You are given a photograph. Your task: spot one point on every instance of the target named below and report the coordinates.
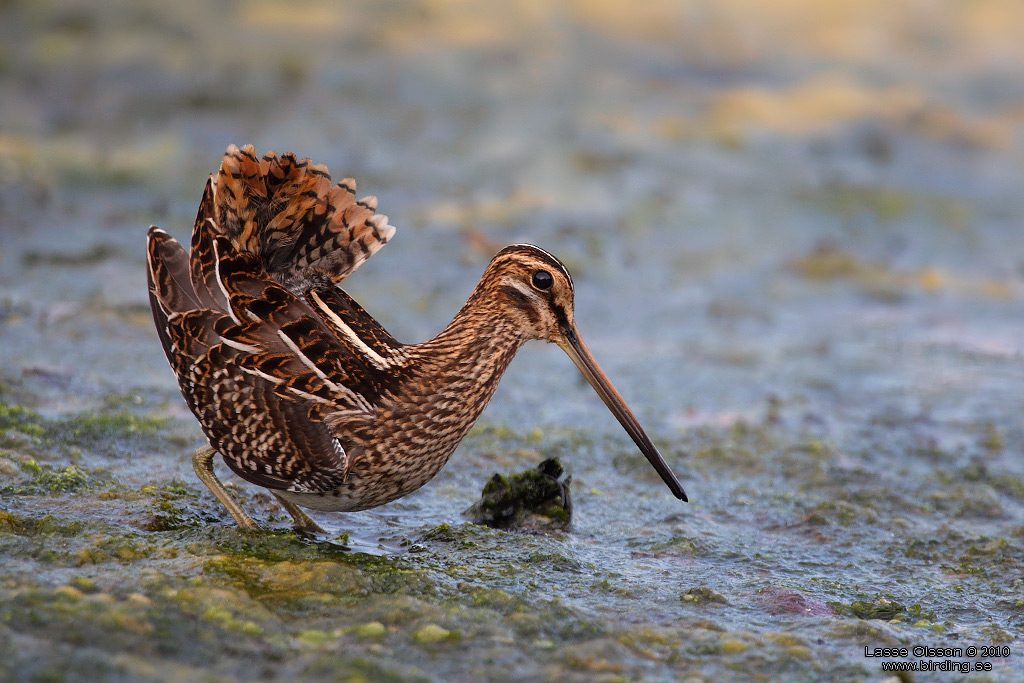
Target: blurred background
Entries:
(799, 215)
(686, 158)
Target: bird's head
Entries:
(534, 290)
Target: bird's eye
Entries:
(542, 279)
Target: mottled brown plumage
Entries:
(294, 384)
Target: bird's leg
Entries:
(303, 522)
(202, 462)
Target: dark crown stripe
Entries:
(543, 255)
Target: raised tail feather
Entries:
(273, 216)
(305, 231)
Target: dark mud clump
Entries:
(536, 499)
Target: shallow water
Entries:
(795, 240)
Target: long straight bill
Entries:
(584, 360)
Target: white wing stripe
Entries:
(223, 289)
(248, 348)
(372, 356)
(337, 388)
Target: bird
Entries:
(295, 385)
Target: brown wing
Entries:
(265, 435)
(349, 322)
(269, 357)
(263, 375)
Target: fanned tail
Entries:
(305, 231)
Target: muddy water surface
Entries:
(795, 236)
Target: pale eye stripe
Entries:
(524, 288)
(375, 358)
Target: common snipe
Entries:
(301, 390)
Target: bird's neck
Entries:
(479, 343)
(449, 380)
(461, 366)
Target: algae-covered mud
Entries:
(535, 500)
(795, 231)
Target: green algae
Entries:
(371, 629)
(702, 595)
(21, 429)
(360, 669)
(125, 549)
(173, 507)
(494, 598)
(43, 479)
(17, 416)
(31, 526)
(281, 567)
(534, 499)
(841, 512)
(880, 609)
(110, 425)
(677, 545)
(887, 610)
(52, 480)
(112, 433)
(432, 633)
